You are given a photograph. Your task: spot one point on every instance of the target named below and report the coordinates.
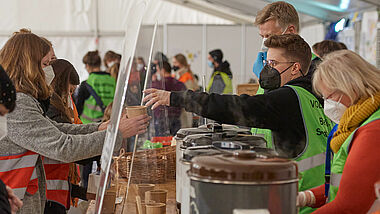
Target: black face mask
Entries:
(270, 78)
(175, 68)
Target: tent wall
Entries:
(240, 45)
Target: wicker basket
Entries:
(150, 166)
(171, 161)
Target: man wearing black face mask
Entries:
(294, 116)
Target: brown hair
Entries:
(284, 13)
(21, 57)
(65, 74)
(111, 56)
(92, 59)
(183, 61)
(114, 70)
(327, 46)
(296, 49)
(107, 113)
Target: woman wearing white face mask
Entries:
(32, 136)
(351, 89)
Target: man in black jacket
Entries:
(278, 109)
(294, 116)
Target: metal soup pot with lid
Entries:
(243, 180)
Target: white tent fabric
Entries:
(71, 26)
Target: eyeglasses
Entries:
(273, 63)
(330, 96)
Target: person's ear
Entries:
(296, 69)
(291, 30)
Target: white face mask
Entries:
(110, 64)
(139, 66)
(70, 102)
(263, 47)
(3, 127)
(334, 110)
(49, 74)
(158, 75)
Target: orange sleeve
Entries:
(356, 191)
(76, 116)
(185, 77)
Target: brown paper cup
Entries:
(156, 208)
(143, 206)
(158, 196)
(134, 111)
(142, 188)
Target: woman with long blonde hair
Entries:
(31, 135)
(350, 87)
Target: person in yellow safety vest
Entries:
(9, 202)
(95, 93)
(289, 109)
(351, 89)
(221, 78)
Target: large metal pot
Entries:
(245, 180)
(212, 128)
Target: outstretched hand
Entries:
(156, 98)
(14, 201)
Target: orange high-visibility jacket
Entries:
(18, 171)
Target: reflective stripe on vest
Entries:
(95, 120)
(57, 184)
(18, 171)
(335, 179)
(311, 162)
(339, 160)
(93, 107)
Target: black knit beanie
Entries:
(7, 91)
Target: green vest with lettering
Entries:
(104, 85)
(265, 133)
(311, 162)
(340, 158)
(226, 79)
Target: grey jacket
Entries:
(28, 129)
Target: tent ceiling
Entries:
(311, 10)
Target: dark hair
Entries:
(284, 13)
(111, 56)
(65, 74)
(327, 46)
(92, 59)
(296, 49)
(160, 57)
(142, 59)
(217, 55)
(7, 91)
(166, 66)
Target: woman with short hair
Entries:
(350, 87)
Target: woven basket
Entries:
(150, 166)
(171, 161)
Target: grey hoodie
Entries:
(28, 129)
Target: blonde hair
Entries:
(21, 58)
(282, 12)
(114, 70)
(349, 73)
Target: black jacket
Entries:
(5, 207)
(277, 110)
(225, 68)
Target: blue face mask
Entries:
(210, 64)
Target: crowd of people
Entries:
(318, 106)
